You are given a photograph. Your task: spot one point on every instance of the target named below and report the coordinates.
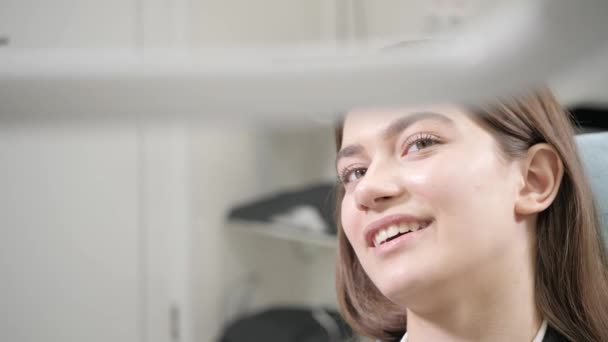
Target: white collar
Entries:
(540, 335)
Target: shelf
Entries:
(283, 232)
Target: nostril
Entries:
(382, 199)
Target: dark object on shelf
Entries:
(309, 208)
(288, 325)
(591, 116)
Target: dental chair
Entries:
(593, 148)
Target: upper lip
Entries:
(371, 229)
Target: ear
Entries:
(542, 175)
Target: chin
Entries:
(398, 288)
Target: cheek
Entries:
(459, 179)
(351, 219)
(472, 200)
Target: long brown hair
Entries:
(571, 284)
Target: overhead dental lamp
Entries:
(521, 44)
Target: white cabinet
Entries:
(93, 224)
(375, 19)
(265, 22)
(70, 248)
(69, 23)
(412, 19)
(162, 23)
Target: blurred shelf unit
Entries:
(282, 232)
(303, 214)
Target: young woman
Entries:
(461, 223)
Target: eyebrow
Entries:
(393, 129)
(402, 123)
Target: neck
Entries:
(494, 303)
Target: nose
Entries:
(378, 188)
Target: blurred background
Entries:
(175, 228)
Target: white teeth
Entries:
(403, 228)
(383, 235)
(393, 230)
(377, 240)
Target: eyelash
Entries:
(413, 140)
(418, 138)
(346, 173)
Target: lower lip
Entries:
(400, 242)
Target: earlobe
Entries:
(542, 175)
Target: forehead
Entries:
(373, 121)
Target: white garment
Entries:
(538, 338)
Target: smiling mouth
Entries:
(397, 230)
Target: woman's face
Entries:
(429, 200)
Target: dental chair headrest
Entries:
(593, 148)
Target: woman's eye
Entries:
(420, 143)
(352, 175)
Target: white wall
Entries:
(69, 23)
(253, 22)
(411, 18)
